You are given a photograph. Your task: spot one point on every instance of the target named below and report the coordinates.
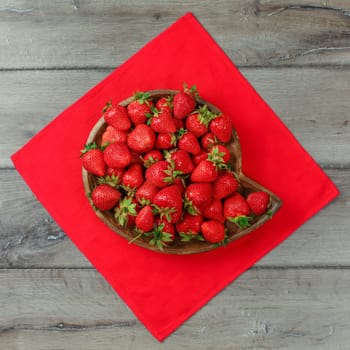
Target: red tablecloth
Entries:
(164, 290)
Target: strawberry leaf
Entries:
(241, 221)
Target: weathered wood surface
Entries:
(29, 237)
(263, 309)
(74, 33)
(314, 103)
(296, 54)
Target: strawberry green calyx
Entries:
(190, 207)
(159, 238)
(163, 212)
(141, 97)
(181, 132)
(125, 209)
(216, 157)
(111, 180)
(187, 237)
(88, 147)
(205, 115)
(169, 101)
(148, 162)
(130, 191)
(191, 91)
(108, 105)
(241, 221)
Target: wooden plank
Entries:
(313, 103)
(29, 237)
(39, 33)
(263, 309)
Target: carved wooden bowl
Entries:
(247, 186)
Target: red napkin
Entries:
(164, 290)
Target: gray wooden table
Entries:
(296, 54)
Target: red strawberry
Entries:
(133, 176)
(145, 219)
(180, 183)
(105, 197)
(126, 211)
(213, 231)
(179, 124)
(164, 104)
(182, 161)
(111, 135)
(208, 141)
(202, 155)
(146, 192)
(205, 171)
(167, 227)
(188, 142)
(224, 185)
(92, 160)
(135, 158)
(159, 174)
(198, 122)
(117, 116)
(117, 155)
(166, 141)
(184, 103)
(162, 121)
(214, 211)
(198, 196)
(139, 108)
(141, 139)
(236, 210)
(168, 202)
(152, 157)
(221, 127)
(258, 202)
(220, 154)
(116, 172)
(190, 224)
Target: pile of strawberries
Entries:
(163, 168)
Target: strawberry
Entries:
(141, 139)
(145, 219)
(220, 153)
(221, 127)
(152, 157)
(111, 135)
(236, 210)
(117, 155)
(166, 227)
(146, 192)
(202, 155)
(92, 159)
(105, 197)
(166, 141)
(188, 142)
(198, 122)
(165, 104)
(213, 231)
(179, 124)
(190, 224)
(168, 203)
(184, 103)
(117, 116)
(198, 196)
(205, 171)
(258, 202)
(160, 174)
(208, 141)
(180, 183)
(139, 108)
(214, 211)
(224, 185)
(125, 212)
(133, 177)
(182, 161)
(161, 121)
(116, 172)
(136, 158)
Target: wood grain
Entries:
(263, 309)
(314, 103)
(56, 34)
(30, 239)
